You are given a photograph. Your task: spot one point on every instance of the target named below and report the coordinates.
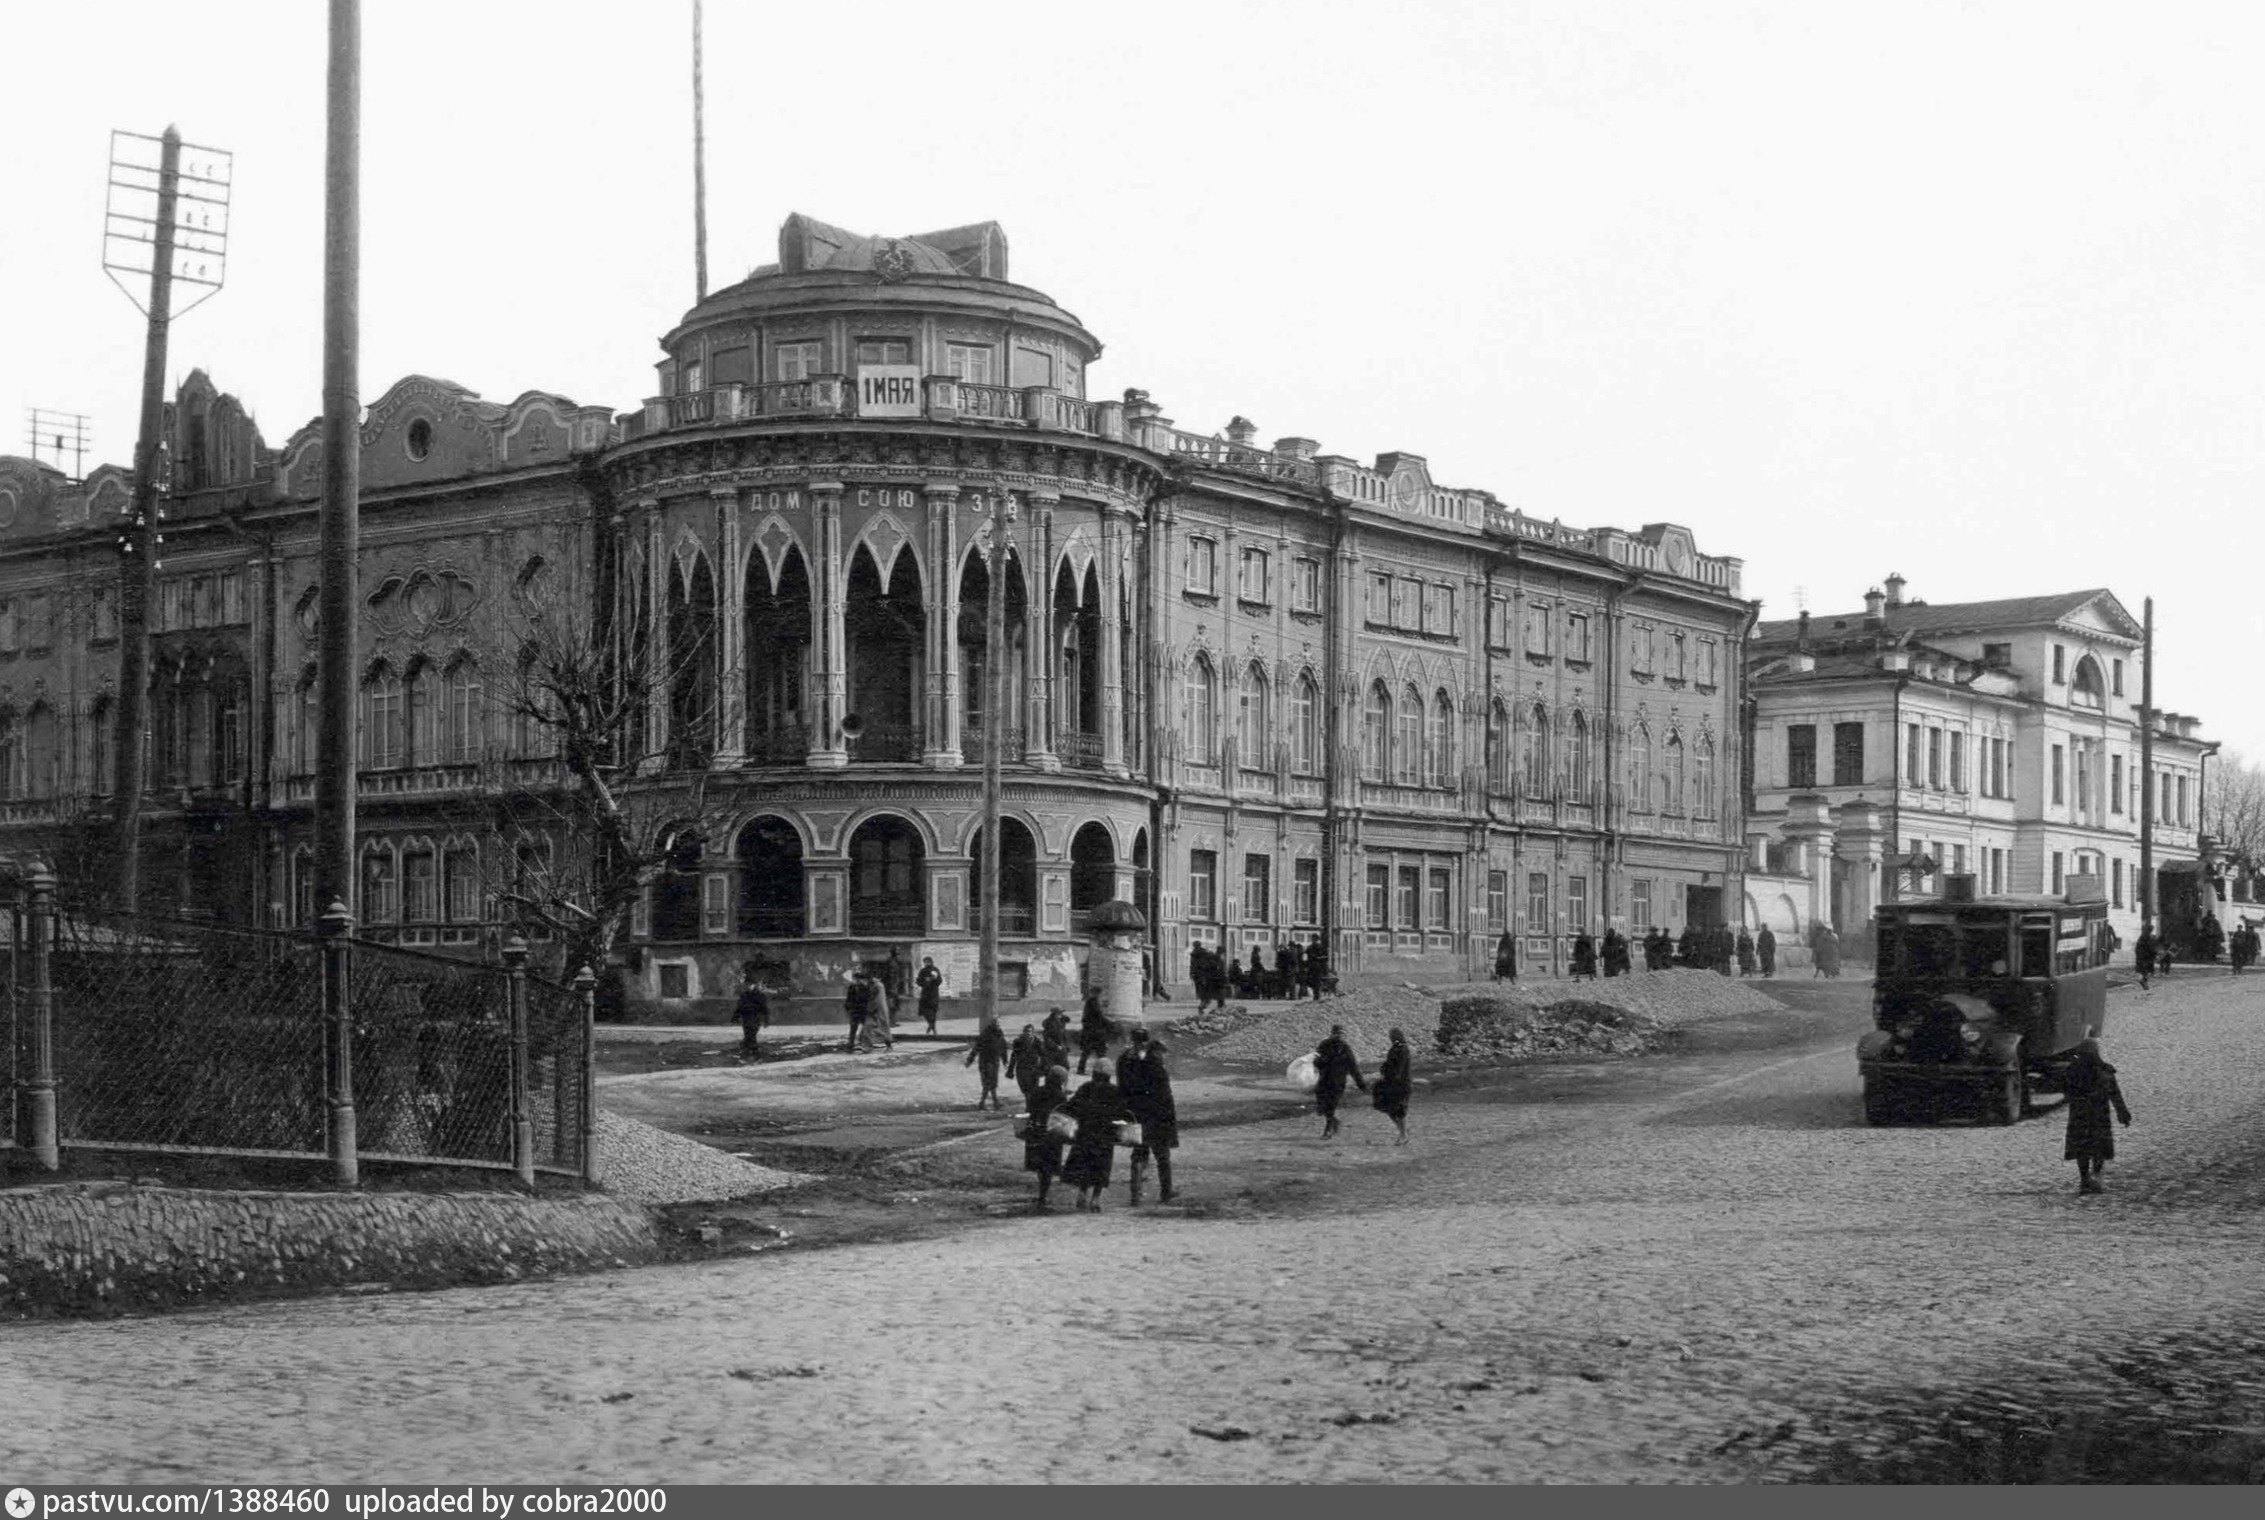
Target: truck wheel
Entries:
(1879, 1102)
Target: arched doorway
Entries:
(884, 628)
(886, 878)
(778, 660)
(1093, 872)
(692, 665)
(770, 880)
(975, 665)
(1018, 878)
(1077, 684)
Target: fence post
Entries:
(522, 1118)
(39, 1004)
(586, 1005)
(338, 1043)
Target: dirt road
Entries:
(1687, 1269)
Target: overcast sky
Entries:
(1974, 292)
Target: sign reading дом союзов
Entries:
(888, 390)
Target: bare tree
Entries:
(2236, 807)
(590, 821)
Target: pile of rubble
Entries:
(1680, 996)
(1489, 1029)
(1283, 1032)
(646, 1165)
(1622, 1015)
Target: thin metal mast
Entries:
(699, 167)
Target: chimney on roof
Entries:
(1241, 431)
(1801, 631)
(1297, 448)
(1873, 600)
(1895, 584)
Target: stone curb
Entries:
(104, 1248)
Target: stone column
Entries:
(943, 696)
(831, 656)
(1112, 645)
(1861, 841)
(1038, 725)
(656, 641)
(731, 617)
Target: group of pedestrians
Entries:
(1335, 1065)
(1137, 1091)
(1298, 971)
(1715, 948)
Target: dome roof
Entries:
(1117, 914)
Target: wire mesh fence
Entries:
(186, 1036)
(432, 1056)
(11, 1031)
(558, 1076)
(189, 1036)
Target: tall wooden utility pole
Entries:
(2147, 766)
(699, 169)
(995, 689)
(341, 462)
(175, 219)
(137, 568)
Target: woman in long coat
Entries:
(1506, 958)
(2092, 1095)
(1334, 1062)
(1395, 1084)
(1092, 1032)
(1150, 1099)
(1097, 1106)
(1042, 1152)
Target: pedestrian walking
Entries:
(1092, 1031)
(931, 984)
(1584, 956)
(1395, 1084)
(1316, 959)
(1026, 1063)
(1827, 952)
(1615, 953)
(2093, 1094)
(753, 1011)
(1149, 1096)
(1745, 952)
(1054, 1038)
(988, 1055)
(1199, 975)
(2143, 954)
(881, 1012)
(1334, 1062)
(1041, 1147)
(1506, 957)
(1136, 1046)
(857, 1003)
(1765, 951)
(1097, 1107)
(1259, 985)
(1286, 970)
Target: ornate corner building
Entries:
(1266, 693)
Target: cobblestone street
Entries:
(1701, 1267)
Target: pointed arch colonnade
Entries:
(826, 625)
